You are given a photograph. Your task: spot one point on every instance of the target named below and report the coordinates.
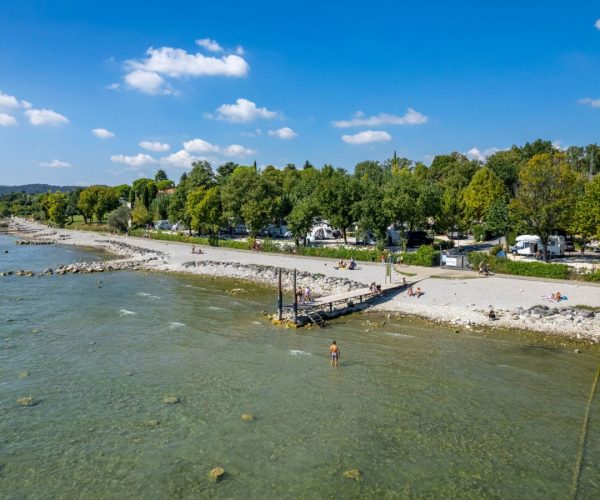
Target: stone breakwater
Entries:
(125, 249)
(34, 242)
(85, 267)
(318, 283)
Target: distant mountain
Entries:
(35, 189)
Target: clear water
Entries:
(421, 411)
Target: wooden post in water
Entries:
(280, 297)
(295, 300)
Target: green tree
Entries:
(546, 196)
(337, 193)
(201, 175)
(498, 218)
(86, 204)
(106, 201)
(140, 216)
(119, 219)
(122, 191)
(301, 219)
(177, 204)
(481, 193)
(586, 216)
(160, 175)
(57, 208)
(205, 209)
(159, 208)
(506, 165)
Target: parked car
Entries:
(164, 225)
(178, 226)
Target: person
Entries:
(403, 281)
(378, 290)
(418, 292)
(491, 314)
(300, 295)
(193, 248)
(334, 353)
(557, 296)
(307, 295)
(410, 292)
(352, 264)
(372, 287)
(482, 269)
(342, 264)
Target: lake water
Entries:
(420, 410)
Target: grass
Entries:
(587, 308)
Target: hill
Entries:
(35, 189)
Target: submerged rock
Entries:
(354, 474)
(26, 401)
(171, 400)
(23, 374)
(217, 474)
(248, 417)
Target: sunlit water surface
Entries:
(421, 411)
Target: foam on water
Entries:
(149, 295)
(174, 324)
(125, 312)
(296, 352)
(403, 335)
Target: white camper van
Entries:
(320, 232)
(528, 245)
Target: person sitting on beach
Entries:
(491, 314)
(372, 287)
(352, 264)
(410, 292)
(483, 269)
(418, 292)
(557, 296)
(378, 290)
(342, 264)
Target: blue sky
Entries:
(106, 91)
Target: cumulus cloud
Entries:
(8, 101)
(148, 74)
(477, 154)
(180, 159)
(597, 24)
(210, 45)
(411, 117)
(242, 111)
(237, 150)
(45, 117)
(7, 120)
(367, 137)
(102, 133)
(588, 101)
(154, 146)
(54, 164)
(137, 161)
(200, 146)
(113, 86)
(283, 133)
(148, 82)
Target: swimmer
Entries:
(334, 352)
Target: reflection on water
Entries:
(421, 411)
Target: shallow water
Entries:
(421, 411)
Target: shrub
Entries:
(481, 233)
(426, 256)
(443, 244)
(119, 219)
(495, 249)
(519, 268)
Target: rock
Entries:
(48, 270)
(577, 351)
(153, 422)
(515, 316)
(216, 475)
(248, 417)
(170, 400)
(23, 374)
(26, 401)
(353, 474)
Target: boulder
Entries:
(354, 474)
(216, 475)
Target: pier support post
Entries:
(295, 300)
(280, 297)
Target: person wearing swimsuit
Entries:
(334, 352)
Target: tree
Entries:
(337, 193)
(204, 207)
(160, 175)
(122, 191)
(225, 170)
(87, 203)
(144, 189)
(586, 217)
(140, 216)
(57, 208)
(177, 204)
(119, 219)
(72, 199)
(498, 219)
(506, 165)
(159, 208)
(301, 219)
(481, 193)
(546, 196)
(201, 175)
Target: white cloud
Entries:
(597, 24)
(45, 117)
(113, 86)
(136, 161)
(237, 150)
(594, 103)
(283, 133)
(242, 111)
(148, 82)
(7, 120)
(55, 164)
(367, 137)
(154, 146)
(209, 44)
(148, 74)
(200, 146)
(411, 117)
(476, 154)
(8, 101)
(558, 144)
(239, 50)
(102, 133)
(180, 159)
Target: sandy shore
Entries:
(454, 297)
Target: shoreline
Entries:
(454, 298)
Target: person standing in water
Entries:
(334, 352)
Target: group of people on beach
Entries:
(349, 265)
(374, 288)
(416, 292)
(483, 269)
(304, 295)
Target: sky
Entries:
(110, 91)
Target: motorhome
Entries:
(320, 232)
(529, 244)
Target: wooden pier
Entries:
(321, 309)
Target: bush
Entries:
(591, 275)
(443, 244)
(119, 219)
(426, 256)
(519, 268)
(495, 249)
(481, 233)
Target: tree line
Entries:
(534, 188)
